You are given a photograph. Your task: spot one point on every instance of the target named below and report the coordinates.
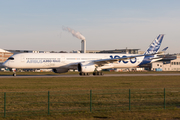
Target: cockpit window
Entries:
(10, 58)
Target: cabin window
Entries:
(10, 58)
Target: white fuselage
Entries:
(57, 60)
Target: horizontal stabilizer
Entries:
(165, 49)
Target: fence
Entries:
(59, 102)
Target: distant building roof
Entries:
(2, 50)
(124, 51)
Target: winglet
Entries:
(155, 45)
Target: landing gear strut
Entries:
(14, 74)
(98, 73)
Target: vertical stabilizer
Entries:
(155, 45)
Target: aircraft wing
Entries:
(102, 62)
(107, 61)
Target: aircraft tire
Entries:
(94, 73)
(98, 73)
(83, 74)
(14, 74)
(101, 73)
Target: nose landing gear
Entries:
(14, 74)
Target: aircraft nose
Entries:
(5, 64)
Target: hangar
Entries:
(4, 55)
(169, 63)
(119, 51)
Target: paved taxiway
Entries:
(106, 75)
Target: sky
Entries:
(106, 24)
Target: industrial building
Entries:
(27, 51)
(4, 55)
(170, 63)
(119, 51)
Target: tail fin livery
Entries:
(155, 45)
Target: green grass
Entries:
(145, 90)
(87, 83)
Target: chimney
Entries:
(83, 46)
(127, 52)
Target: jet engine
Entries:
(86, 67)
(60, 70)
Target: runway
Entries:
(106, 75)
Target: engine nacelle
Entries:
(86, 67)
(60, 70)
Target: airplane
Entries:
(85, 63)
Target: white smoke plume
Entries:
(74, 33)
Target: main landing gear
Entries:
(94, 73)
(83, 74)
(98, 73)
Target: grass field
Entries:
(87, 83)
(94, 83)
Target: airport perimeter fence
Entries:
(60, 102)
